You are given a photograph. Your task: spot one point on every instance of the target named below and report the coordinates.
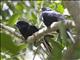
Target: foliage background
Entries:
(29, 11)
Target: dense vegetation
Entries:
(12, 49)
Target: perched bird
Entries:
(26, 29)
(48, 17)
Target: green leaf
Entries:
(63, 34)
(34, 18)
(20, 6)
(12, 20)
(77, 52)
(56, 53)
(60, 8)
(7, 44)
(11, 6)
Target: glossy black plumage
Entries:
(48, 16)
(26, 29)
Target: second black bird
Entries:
(48, 16)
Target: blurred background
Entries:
(13, 11)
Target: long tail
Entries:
(70, 36)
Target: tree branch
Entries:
(37, 35)
(11, 30)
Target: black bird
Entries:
(48, 17)
(26, 29)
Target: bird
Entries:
(49, 16)
(26, 29)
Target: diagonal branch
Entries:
(11, 30)
(37, 35)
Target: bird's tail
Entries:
(70, 36)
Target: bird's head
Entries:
(21, 24)
(46, 9)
